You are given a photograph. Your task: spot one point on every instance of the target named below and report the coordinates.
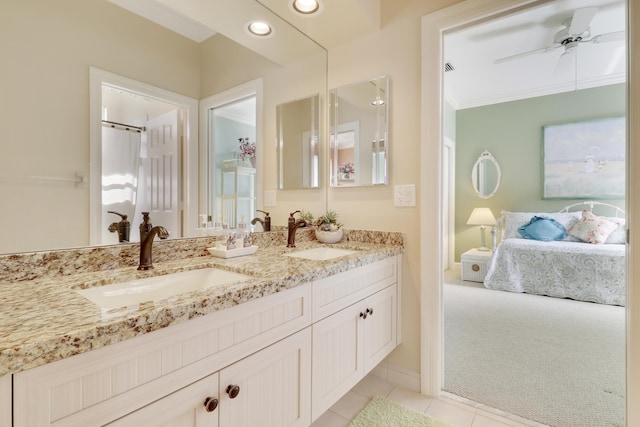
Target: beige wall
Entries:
(394, 51)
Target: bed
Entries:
(565, 268)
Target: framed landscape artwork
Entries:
(585, 160)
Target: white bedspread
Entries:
(575, 270)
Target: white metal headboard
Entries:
(619, 213)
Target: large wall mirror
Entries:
(45, 163)
(358, 143)
(298, 126)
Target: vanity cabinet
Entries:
(349, 344)
(276, 361)
(100, 386)
(271, 388)
(355, 328)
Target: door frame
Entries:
(250, 88)
(189, 152)
(431, 274)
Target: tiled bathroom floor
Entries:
(445, 409)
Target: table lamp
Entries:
(482, 217)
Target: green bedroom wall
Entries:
(512, 132)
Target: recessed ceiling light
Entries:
(259, 29)
(306, 7)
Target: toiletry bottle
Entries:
(246, 239)
(231, 240)
(145, 226)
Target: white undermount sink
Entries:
(321, 254)
(156, 288)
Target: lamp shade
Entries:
(481, 216)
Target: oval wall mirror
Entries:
(486, 175)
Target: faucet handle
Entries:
(266, 214)
(293, 213)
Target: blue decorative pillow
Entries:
(543, 228)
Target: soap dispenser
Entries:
(145, 226)
(123, 227)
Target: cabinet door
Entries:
(337, 360)
(271, 388)
(380, 332)
(184, 408)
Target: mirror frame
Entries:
(381, 133)
(476, 171)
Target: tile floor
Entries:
(447, 409)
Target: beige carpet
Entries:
(381, 412)
(555, 361)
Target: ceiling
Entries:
(476, 80)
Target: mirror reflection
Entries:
(47, 171)
(298, 126)
(232, 164)
(359, 146)
(486, 175)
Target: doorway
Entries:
(231, 155)
(434, 27)
(143, 152)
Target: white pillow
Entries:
(619, 235)
(592, 228)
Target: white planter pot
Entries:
(329, 236)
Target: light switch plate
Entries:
(404, 195)
(270, 198)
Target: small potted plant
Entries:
(328, 230)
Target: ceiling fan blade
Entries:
(581, 20)
(566, 62)
(608, 37)
(528, 53)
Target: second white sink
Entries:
(321, 254)
(156, 288)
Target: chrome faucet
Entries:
(293, 226)
(266, 223)
(147, 244)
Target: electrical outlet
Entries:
(404, 195)
(269, 198)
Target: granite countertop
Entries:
(44, 319)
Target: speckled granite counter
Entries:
(42, 319)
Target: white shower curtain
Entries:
(120, 169)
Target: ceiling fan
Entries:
(576, 31)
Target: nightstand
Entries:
(475, 264)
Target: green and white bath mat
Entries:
(381, 412)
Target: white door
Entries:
(161, 173)
(271, 388)
(448, 202)
(337, 357)
(379, 327)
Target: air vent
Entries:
(448, 66)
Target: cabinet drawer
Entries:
(97, 387)
(334, 293)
